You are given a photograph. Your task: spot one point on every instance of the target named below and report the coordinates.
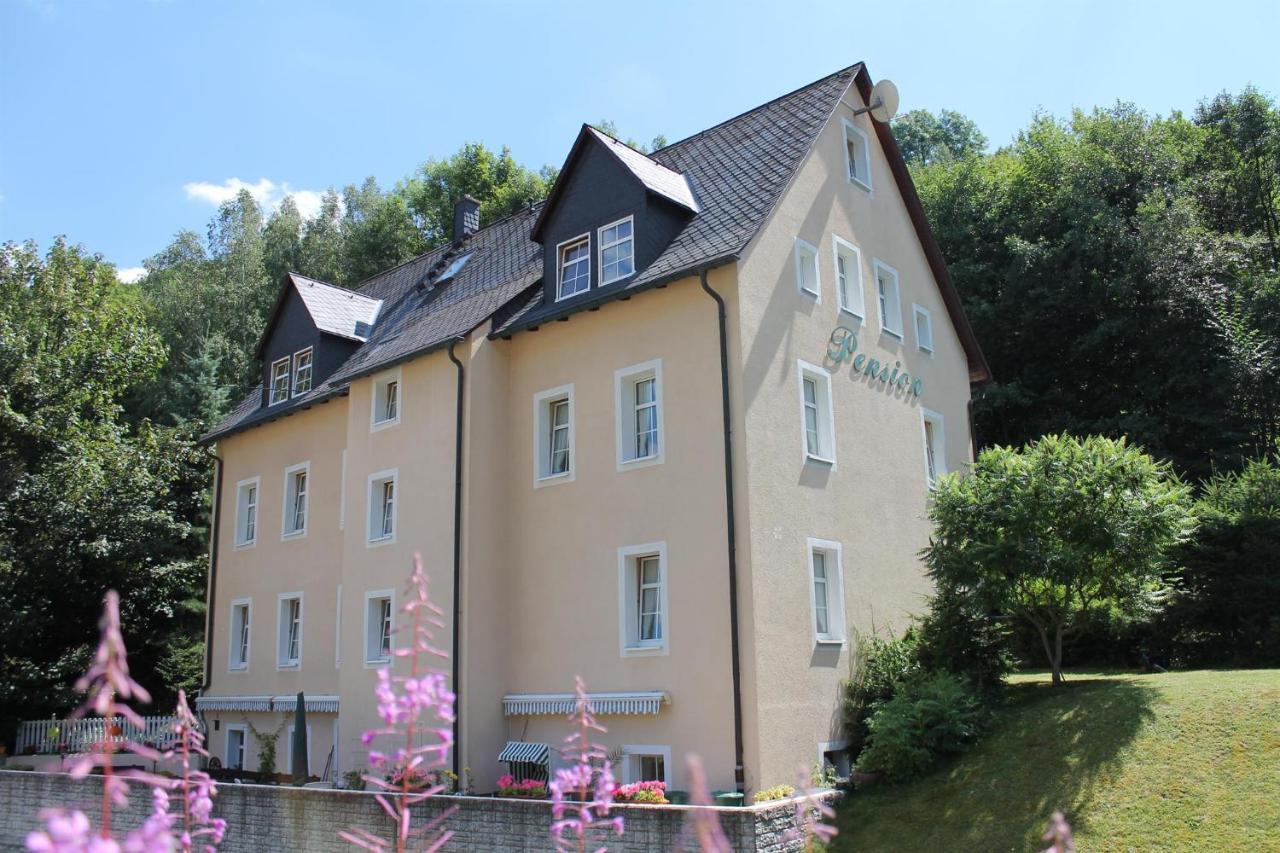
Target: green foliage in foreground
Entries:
(1181, 761)
(927, 718)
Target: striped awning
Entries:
(638, 702)
(527, 753)
(323, 704)
(320, 704)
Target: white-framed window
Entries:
(379, 607)
(241, 626)
(289, 631)
(573, 264)
(646, 763)
(826, 591)
(857, 155)
(553, 436)
(642, 599)
(297, 485)
(382, 506)
(848, 266)
(817, 416)
(237, 737)
(638, 396)
(302, 371)
(279, 380)
(834, 755)
(935, 453)
(247, 492)
(617, 251)
(288, 751)
(385, 401)
(807, 280)
(888, 299)
(924, 328)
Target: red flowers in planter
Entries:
(529, 789)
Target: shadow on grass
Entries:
(1049, 749)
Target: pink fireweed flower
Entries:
(417, 709)
(811, 813)
(590, 773)
(702, 826)
(1059, 835)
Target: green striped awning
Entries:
(527, 753)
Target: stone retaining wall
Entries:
(261, 818)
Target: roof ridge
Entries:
(754, 109)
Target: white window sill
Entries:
(819, 460)
(566, 296)
(374, 664)
(828, 641)
(295, 534)
(812, 294)
(890, 332)
(294, 665)
(927, 351)
(640, 462)
(238, 669)
(297, 394)
(618, 279)
(554, 479)
(378, 426)
(380, 541)
(854, 314)
(858, 182)
(277, 402)
(244, 546)
(644, 651)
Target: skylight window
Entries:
(454, 268)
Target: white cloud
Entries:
(265, 192)
(130, 274)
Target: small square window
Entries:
(280, 380)
(553, 438)
(826, 591)
(642, 578)
(807, 269)
(646, 763)
(574, 267)
(378, 626)
(289, 631)
(888, 299)
(302, 372)
(639, 401)
(848, 265)
(617, 252)
(246, 512)
(240, 630)
(382, 507)
(386, 400)
(924, 328)
(817, 420)
(935, 455)
(857, 155)
(296, 485)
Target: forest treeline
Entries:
(1120, 269)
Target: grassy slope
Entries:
(1181, 761)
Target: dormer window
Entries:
(280, 380)
(617, 251)
(575, 267)
(302, 371)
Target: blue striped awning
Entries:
(528, 753)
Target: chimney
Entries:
(466, 218)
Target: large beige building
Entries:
(671, 430)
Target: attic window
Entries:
(280, 380)
(302, 371)
(857, 155)
(617, 252)
(454, 268)
(575, 266)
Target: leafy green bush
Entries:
(965, 637)
(879, 666)
(928, 717)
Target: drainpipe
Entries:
(739, 773)
(214, 522)
(457, 567)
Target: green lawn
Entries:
(1180, 761)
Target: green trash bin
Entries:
(678, 798)
(727, 798)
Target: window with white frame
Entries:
(382, 506)
(935, 457)
(848, 266)
(638, 390)
(238, 659)
(817, 419)
(888, 299)
(826, 591)
(857, 149)
(646, 763)
(280, 380)
(924, 328)
(378, 625)
(236, 736)
(574, 264)
(296, 484)
(617, 251)
(807, 268)
(247, 511)
(289, 631)
(642, 581)
(302, 371)
(386, 400)
(553, 439)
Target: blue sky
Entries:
(126, 121)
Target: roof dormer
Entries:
(611, 213)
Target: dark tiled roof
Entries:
(738, 170)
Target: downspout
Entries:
(739, 773)
(214, 522)
(457, 568)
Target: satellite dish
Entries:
(884, 101)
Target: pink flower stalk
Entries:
(413, 708)
(197, 787)
(811, 813)
(590, 773)
(1059, 835)
(702, 824)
